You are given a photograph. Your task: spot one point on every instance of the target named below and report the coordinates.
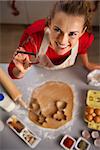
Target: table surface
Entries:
(76, 76)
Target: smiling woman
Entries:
(65, 32)
(57, 41)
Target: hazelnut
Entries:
(61, 104)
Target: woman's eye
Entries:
(57, 30)
(72, 34)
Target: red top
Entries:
(32, 38)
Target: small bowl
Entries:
(95, 134)
(82, 144)
(93, 78)
(86, 134)
(97, 142)
(68, 142)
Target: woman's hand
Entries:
(89, 65)
(22, 63)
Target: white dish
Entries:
(30, 138)
(82, 142)
(66, 147)
(93, 78)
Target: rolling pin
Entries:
(11, 88)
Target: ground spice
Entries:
(68, 142)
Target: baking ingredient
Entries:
(95, 134)
(6, 102)
(97, 142)
(89, 110)
(97, 119)
(23, 132)
(86, 134)
(61, 105)
(97, 112)
(51, 104)
(68, 142)
(89, 117)
(35, 106)
(82, 145)
(97, 77)
(16, 124)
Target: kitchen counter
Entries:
(75, 76)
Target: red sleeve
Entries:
(85, 42)
(35, 27)
(32, 44)
(30, 40)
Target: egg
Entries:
(86, 134)
(97, 119)
(95, 134)
(89, 117)
(86, 113)
(97, 112)
(97, 142)
(89, 110)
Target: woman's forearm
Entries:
(89, 65)
(92, 66)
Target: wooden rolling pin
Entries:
(11, 88)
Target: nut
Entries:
(61, 105)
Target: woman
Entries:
(57, 41)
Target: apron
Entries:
(44, 60)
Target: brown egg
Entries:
(86, 113)
(89, 117)
(97, 111)
(97, 119)
(89, 110)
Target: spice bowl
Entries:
(82, 144)
(68, 142)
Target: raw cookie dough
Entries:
(51, 105)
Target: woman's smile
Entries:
(62, 46)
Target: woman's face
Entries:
(65, 31)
